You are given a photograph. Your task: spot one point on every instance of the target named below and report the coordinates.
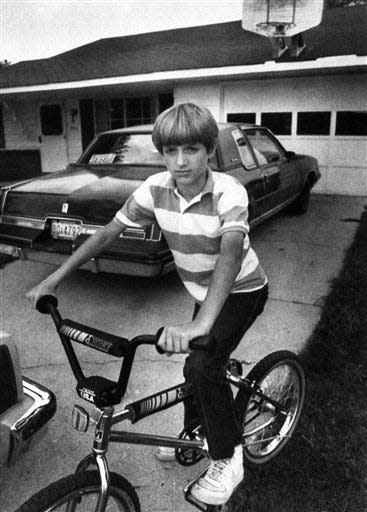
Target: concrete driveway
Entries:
(301, 255)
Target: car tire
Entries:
(301, 203)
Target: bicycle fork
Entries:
(97, 458)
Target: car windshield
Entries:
(123, 148)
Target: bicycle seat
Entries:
(98, 390)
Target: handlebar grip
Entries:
(200, 343)
(43, 304)
(157, 336)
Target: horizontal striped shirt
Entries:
(194, 229)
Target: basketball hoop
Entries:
(282, 21)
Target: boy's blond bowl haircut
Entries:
(185, 123)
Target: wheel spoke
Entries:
(268, 426)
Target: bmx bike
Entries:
(268, 403)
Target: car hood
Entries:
(94, 195)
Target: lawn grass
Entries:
(324, 467)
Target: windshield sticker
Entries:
(106, 158)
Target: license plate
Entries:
(10, 250)
(65, 229)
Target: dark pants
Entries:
(212, 405)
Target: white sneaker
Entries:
(165, 454)
(220, 480)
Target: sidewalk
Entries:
(301, 255)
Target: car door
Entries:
(237, 160)
(277, 170)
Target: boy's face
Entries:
(187, 164)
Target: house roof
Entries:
(341, 32)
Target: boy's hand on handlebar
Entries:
(39, 291)
(175, 339)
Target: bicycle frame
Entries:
(167, 398)
(105, 434)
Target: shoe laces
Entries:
(217, 469)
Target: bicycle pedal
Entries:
(204, 507)
(189, 456)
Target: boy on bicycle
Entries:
(203, 216)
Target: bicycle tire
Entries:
(79, 486)
(280, 376)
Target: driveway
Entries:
(301, 255)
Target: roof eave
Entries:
(339, 63)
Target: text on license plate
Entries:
(65, 229)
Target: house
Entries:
(315, 103)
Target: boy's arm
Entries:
(94, 245)
(225, 272)
(227, 267)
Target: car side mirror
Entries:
(290, 155)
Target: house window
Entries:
(132, 111)
(2, 134)
(139, 111)
(51, 120)
(313, 123)
(280, 123)
(102, 115)
(117, 114)
(247, 117)
(165, 101)
(351, 123)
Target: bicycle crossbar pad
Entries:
(158, 402)
(99, 340)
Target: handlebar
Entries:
(97, 389)
(104, 342)
(45, 302)
(200, 343)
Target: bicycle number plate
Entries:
(65, 229)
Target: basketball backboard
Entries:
(283, 21)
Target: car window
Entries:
(265, 149)
(123, 148)
(243, 149)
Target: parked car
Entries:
(25, 406)
(45, 219)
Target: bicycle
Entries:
(269, 403)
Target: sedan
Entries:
(46, 219)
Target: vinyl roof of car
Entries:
(148, 128)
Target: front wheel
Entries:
(79, 493)
(267, 427)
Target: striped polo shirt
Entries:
(193, 229)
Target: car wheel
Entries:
(301, 204)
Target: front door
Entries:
(52, 138)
